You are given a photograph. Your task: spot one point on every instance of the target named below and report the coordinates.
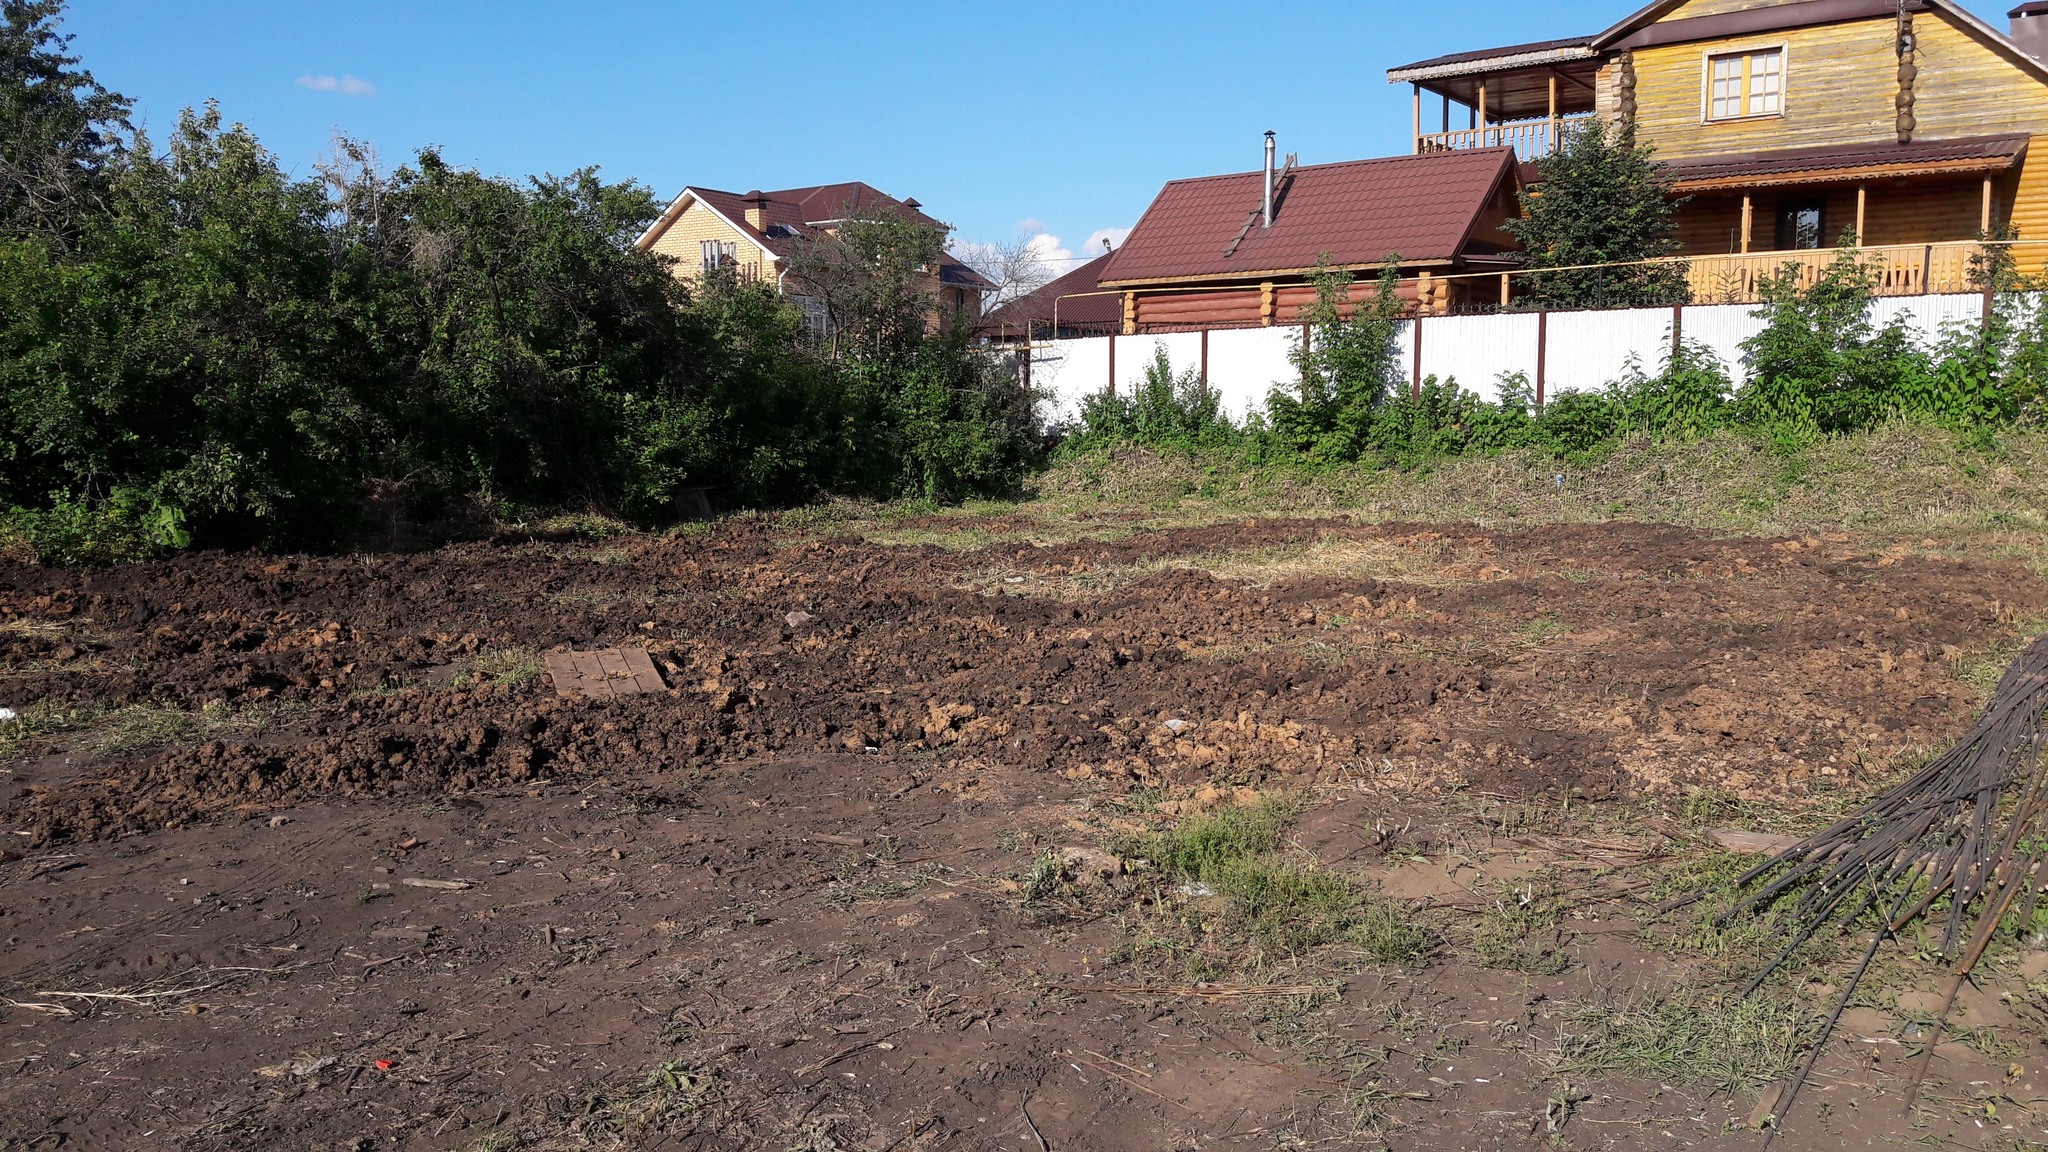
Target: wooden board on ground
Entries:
(605, 672)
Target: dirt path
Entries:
(784, 904)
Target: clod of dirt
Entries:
(1090, 863)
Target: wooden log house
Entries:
(1907, 124)
(1241, 250)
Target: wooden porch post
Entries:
(1503, 289)
(1862, 196)
(1553, 112)
(1482, 113)
(1418, 119)
(1447, 112)
(1748, 211)
(1984, 218)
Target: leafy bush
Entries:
(1168, 410)
(1690, 398)
(126, 526)
(1820, 365)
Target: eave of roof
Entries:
(1075, 299)
(1833, 163)
(1495, 59)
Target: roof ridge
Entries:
(1299, 169)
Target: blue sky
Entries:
(1056, 117)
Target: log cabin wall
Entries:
(1841, 81)
(1242, 306)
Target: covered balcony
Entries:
(1521, 97)
(1919, 212)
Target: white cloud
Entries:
(1048, 251)
(1030, 226)
(1115, 236)
(346, 85)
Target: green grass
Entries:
(506, 667)
(1518, 933)
(1905, 478)
(1198, 846)
(40, 720)
(1280, 906)
(136, 728)
(1972, 497)
(1688, 1036)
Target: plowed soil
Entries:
(780, 904)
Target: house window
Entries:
(718, 254)
(1743, 84)
(1801, 224)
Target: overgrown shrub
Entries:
(195, 346)
(1820, 365)
(1168, 410)
(1688, 399)
(1349, 367)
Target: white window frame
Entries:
(1707, 59)
(727, 254)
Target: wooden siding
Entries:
(1840, 81)
(1243, 306)
(2029, 209)
(697, 224)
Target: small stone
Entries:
(1176, 726)
(798, 619)
(279, 821)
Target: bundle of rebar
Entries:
(1967, 828)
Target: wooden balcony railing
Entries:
(1902, 270)
(1531, 139)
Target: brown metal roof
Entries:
(1356, 213)
(1087, 313)
(1848, 162)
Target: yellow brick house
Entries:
(751, 233)
(1912, 124)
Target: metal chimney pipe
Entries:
(1269, 180)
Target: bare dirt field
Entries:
(1262, 834)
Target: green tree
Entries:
(1601, 198)
(59, 129)
(185, 351)
(873, 273)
